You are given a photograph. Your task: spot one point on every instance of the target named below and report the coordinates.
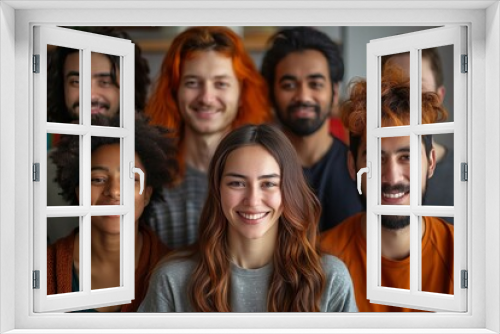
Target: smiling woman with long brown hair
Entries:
(258, 248)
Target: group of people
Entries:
(250, 202)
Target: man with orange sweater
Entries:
(348, 240)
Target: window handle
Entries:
(141, 176)
(367, 170)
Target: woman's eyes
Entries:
(269, 184)
(96, 180)
(241, 184)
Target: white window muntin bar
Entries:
(79, 211)
(423, 39)
(419, 210)
(92, 42)
(76, 129)
(406, 130)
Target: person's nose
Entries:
(207, 94)
(303, 93)
(252, 196)
(113, 188)
(96, 92)
(392, 171)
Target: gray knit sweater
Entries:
(168, 288)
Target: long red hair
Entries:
(162, 105)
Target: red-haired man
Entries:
(208, 85)
(348, 240)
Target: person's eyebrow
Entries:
(265, 176)
(102, 75)
(218, 77)
(99, 168)
(405, 149)
(316, 76)
(287, 77)
(72, 73)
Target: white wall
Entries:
(7, 165)
(492, 154)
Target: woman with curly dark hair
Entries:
(257, 249)
(155, 155)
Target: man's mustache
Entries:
(298, 105)
(93, 104)
(396, 188)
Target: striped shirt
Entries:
(176, 219)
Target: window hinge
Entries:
(36, 63)
(36, 279)
(465, 64)
(465, 279)
(36, 172)
(464, 172)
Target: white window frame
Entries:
(483, 20)
(413, 43)
(85, 43)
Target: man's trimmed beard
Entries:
(399, 222)
(303, 127)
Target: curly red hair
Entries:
(395, 90)
(162, 106)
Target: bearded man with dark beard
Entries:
(303, 68)
(348, 240)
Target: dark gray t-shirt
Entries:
(168, 288)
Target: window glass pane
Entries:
(395, 264)
(62, 255)
(395, 170)
(63, 170)
(105, 175)
(63, 84)
(105, 85)
(437, 255)
(440, 188)
(106, 253)
(437, 77)
(394, 68)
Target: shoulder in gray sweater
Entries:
(168, 288)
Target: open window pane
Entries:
(395, 170)
(63, 170)
(63, 255)
(423, 121)
(55, 220)
(435, 63)
(106, 237)
(437, 256)
(440, 186)
(395, 265)
(105, 177)
(63, 84)
(105, 85)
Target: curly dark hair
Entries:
(56, 108)
(297, 39)
(155, 149)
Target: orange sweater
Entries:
(60, 265)
(347, 242)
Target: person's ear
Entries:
(431, 166)
(147, 195)
(335, 100)
(351, 165)
(441, 91)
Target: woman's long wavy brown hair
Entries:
(298, 279)
(162, 105)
